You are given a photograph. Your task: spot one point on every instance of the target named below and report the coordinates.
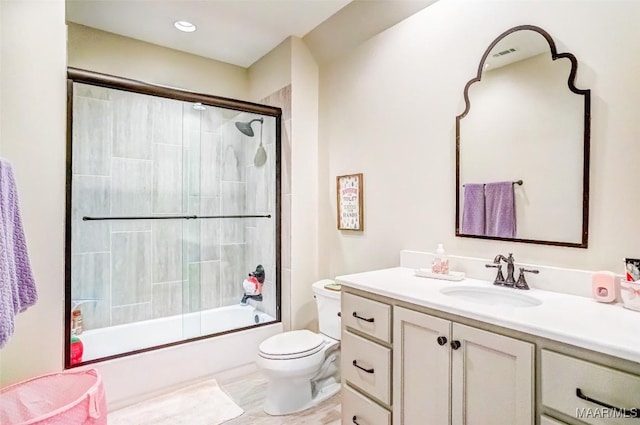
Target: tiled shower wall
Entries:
(282, 99)
(141, 155)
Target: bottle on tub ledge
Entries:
(440, 262)
(76, 347)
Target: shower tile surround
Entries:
(131, 156)
(261, 179)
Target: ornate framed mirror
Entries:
(522, 145)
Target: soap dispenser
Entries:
(440, 261)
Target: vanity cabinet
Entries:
(567, 361)
(545, 420)
(429, 369)
(448, 373)
(583, 390)
(365, 361)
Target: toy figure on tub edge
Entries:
(253, 286)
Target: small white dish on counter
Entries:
(456, 276)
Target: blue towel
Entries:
(473, 210)
(501, 210)
(17, 287)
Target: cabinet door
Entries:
(421, 369)
(492, 379)
(545, 420)
(563, 376)
(359, 409)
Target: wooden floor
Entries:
(249, 391)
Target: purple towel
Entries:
(473, 221)
(17, 287)
(501, 209)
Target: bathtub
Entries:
(112, 340)
(135, 377)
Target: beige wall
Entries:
(33, 139)
(388, 110)
(113, 54)
(1, 82)
(38, 151)
(271, 72)
(292, 63)
(271, 76)
(304, 184)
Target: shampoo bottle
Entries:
(77, 349)
(440, 261)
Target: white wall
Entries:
(113, 54)
(271, 72)
(388, 110)
(304, 184)
(33, 138)
(0, 87)
(267, 77)
(292, 63)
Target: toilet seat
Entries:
(291, 345)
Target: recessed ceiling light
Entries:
(184, 26)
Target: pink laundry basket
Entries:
(68, 398)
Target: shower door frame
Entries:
(77, 75)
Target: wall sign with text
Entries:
(349, 191)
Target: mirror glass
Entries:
(523, 145)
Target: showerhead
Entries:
(245, 127)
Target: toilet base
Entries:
(289, 396)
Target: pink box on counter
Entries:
(603, 286)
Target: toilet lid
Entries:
(291, 345)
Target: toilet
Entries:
(303, 366)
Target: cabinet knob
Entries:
(355, 420)
(442, 340)
(455, 344)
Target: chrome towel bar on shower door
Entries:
(173, 217)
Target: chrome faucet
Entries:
(510, 281)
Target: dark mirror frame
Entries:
(587, 135)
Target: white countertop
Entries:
(580, 321)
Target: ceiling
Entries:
(242, 31)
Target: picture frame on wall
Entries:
(350, 202)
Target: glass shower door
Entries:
(172, 206)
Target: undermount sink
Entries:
(491, 296)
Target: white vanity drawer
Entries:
(367, 365)
(367, 316)
(545, 420)
(562, 376)
(358, 408)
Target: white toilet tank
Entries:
(328, 304)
